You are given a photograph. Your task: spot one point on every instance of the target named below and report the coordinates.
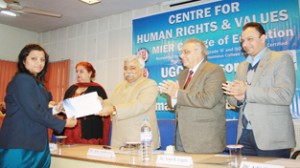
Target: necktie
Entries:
(188, 79)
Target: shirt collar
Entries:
(196, 67)
(257, 58)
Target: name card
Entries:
(174, 160)
(52, 147)
(101, 153)
(247, 164)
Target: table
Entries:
(76, 156)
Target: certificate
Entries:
(84, 105)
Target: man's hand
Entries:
(101, 100)
(169, 87)
(237, 89)
(71, 122)
(106, 111)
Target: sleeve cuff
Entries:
(173, 102)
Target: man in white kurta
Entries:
(131, 101)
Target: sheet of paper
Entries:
(84, 105)
(285, 162)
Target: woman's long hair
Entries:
(23, 55)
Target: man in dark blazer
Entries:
(200, 102)
(263, 89)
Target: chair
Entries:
(231, 133)
(50, 133)
(295, 154)
(167, 132)
(1, 120)
(297, 136)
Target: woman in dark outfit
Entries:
(24, 133)
(90, 129)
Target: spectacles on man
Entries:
(187, 52)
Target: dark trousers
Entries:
(250, 148)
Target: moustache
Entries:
(129, 75)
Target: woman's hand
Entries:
(59, 107)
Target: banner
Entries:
(159, 38)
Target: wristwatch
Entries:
(115, 111)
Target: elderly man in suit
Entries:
(263, 89)
(131, 101)
(200, 102)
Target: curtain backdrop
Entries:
(57, 77)
(57, 82)
(7, 71)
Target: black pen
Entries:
(106, 147)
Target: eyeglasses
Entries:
(187, 52)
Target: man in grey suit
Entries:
(200, 102)
(263, 89)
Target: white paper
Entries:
(101, 153)
(174, 160)
(84, 105)
(290, 163)
(247, 164)
(52, 147)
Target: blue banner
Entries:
(158, 38)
